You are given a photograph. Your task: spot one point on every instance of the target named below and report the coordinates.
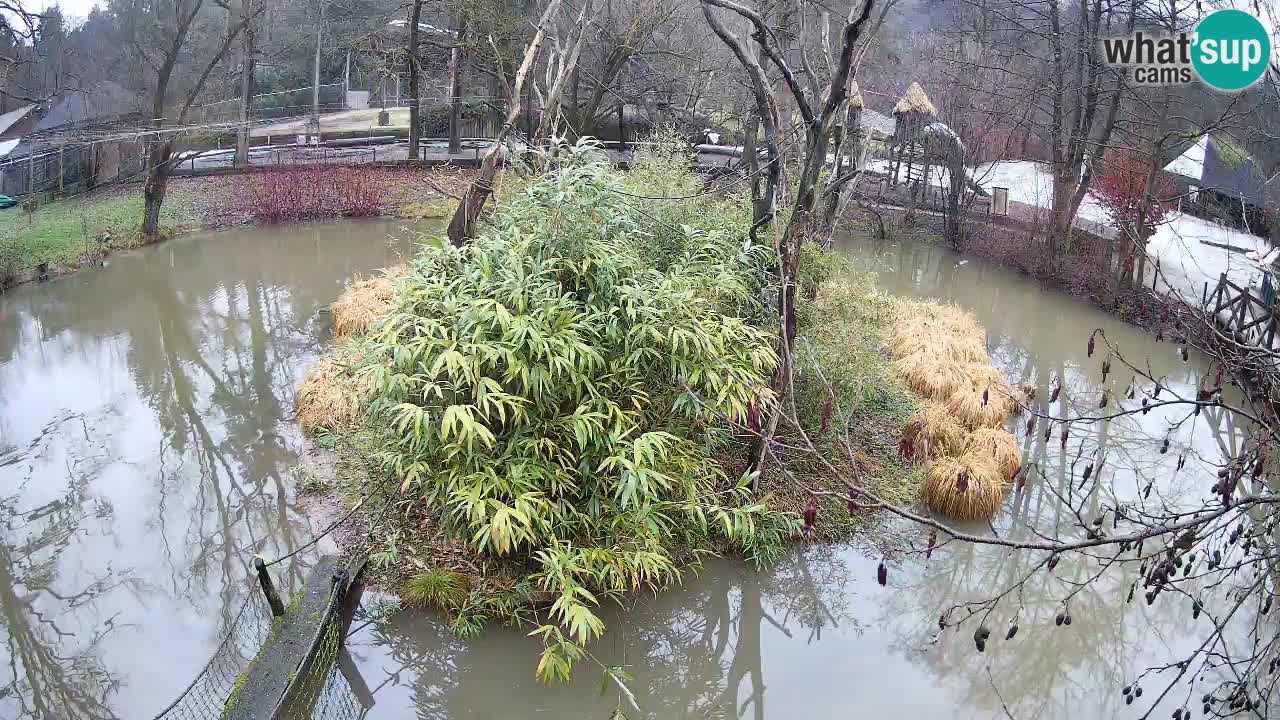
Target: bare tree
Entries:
(161, 34)
(462, 225)
(564, 63)
(248, 64)
(817, 107)
(415, 70)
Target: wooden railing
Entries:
(1251, 318)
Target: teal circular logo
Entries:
(1231, 50)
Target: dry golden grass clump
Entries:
(331, 397)
(930, 376)
(998, 446)
(982, 406)
(932, 432)
(942, 330)
(969, 487)
(940, 352)
(366, 302)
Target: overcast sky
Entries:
(70, 8)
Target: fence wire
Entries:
(328, 686)
(206, 697)
(326, 691)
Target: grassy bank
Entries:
(65, 232)
(69, 233)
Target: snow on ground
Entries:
(1031, 183)
(1185, 261)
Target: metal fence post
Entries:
(268, 588)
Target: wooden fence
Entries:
(1251, 318)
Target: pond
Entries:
(816, 636)
(145, 448)
(146, 443)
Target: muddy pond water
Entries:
(146, 443)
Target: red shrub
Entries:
(1120, 189)
(309, 193)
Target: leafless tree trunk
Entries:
(248, 63)
(568, 64)
(415, 89)
(462, 226)
(174, 25)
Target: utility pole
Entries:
(313, 127)
(456, 58)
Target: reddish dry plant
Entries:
(310, 193)
(1123, 190)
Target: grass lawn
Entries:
(65, 232)
(68, 232)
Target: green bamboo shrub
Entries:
(559, 389)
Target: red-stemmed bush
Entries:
(1121, 188)
(309, 193)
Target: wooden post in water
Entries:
(268, 588)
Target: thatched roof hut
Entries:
(914, 101)
(855, 96)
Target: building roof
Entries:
(422, 27)
(1230, 170)
(103, 101)
(1190, 164)
(12, 117)
(941, 130)
(1219, 164)
(915, 100)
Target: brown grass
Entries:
(331, 397)
(968, 408)
(940, 330)
(930, 376)
(365, 302)
(998, 446)
(967, 403)
(966, 488)
(933, 428)
(940, 352)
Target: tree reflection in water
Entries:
(53, 667)
(696, 651)
(181, 362)
(807, 640)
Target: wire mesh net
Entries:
(274, 105)
(326, 691)
(207, 696)
(328, 685)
